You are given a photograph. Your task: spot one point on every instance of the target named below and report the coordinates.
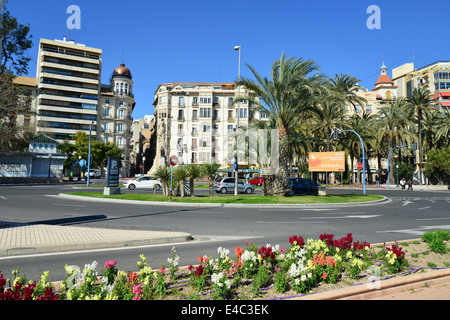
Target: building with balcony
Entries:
(434, 77)
(68, 83)
(194, 121)
(114, 114)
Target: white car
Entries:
(143, 183)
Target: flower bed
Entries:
(267, 272)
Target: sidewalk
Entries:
(35, 239)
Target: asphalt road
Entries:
(406, 215)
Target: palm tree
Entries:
(420, 100)
(286, 96)
(193, 172)
(346, 86)
(210, 169)
(443, 128)
(163, 174)
(391, 124)
(180, 174)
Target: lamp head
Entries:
(237, 47)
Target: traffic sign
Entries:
(141, 166)
(360, 166)
(173, 160)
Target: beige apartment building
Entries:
(68, 81)
(67, 96)
(434, 76)
(195, 120)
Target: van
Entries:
(95, 173)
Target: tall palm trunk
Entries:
(419, 124)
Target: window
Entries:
(119, 141)
(230, 114)
(242, 113)
(230, 102)
(205, 112)
(205, 100)
(120, 127)
(194, 114)
(180, 115)
(120, 114)
(106, 112)
(263, 114)
(195, 101)
(181, 101)
(107, 101)
(230, 129)
(369, 109)
(388, 95)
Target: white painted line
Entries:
(68, 205)
(3, 198)
(423, 208)
(431, 219)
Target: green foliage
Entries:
(99, 151)
(435, 240)
(438, 164)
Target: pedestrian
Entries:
(377, 179)
(403, 183)
(410, 184)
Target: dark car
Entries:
(303, 186)
(256, 181)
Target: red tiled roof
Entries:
(384, 78)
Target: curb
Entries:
(364, 291)
(224, 205)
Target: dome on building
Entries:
(122, 71)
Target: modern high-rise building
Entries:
(194, 121)
(69, 96)
(434, 77)
(69, 80)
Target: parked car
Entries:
(95, 173)
(258, 181)
(143, 183)
(302, 185)
(225, 185)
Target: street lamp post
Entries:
(89, 156)
(237, 48)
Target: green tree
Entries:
(391, 124)
(193, 172)
(420, 103)
(180, 174)
(163, 174)
(287, 95)
(210, 170)
(80, 150)
(438, 165)
(346, 87)
(15, 41)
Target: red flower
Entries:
(297, 239)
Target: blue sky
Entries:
(180, 41)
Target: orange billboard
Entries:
(327, 161)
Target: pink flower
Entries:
(109, 264)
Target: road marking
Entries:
(288, 222)
(69, 205)
(345, 217)
(405, 203)
(416, 231)
(426, 219)
(3, 198)
(423, 208)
